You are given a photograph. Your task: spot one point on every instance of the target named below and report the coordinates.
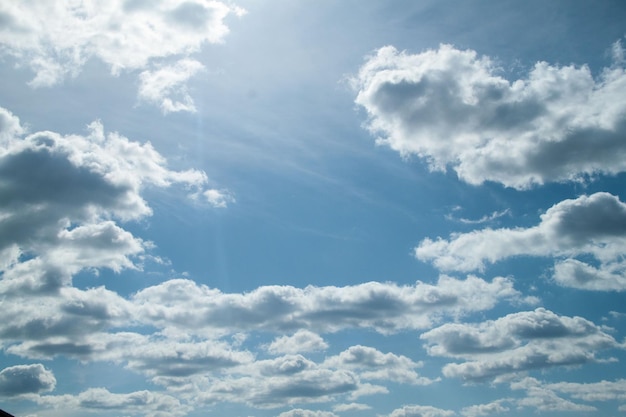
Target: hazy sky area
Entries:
(298, 208)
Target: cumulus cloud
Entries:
(140, 403)
(56, 40)
(298, 412)
(517, 342)
(420, 411)
(384, 307)
(25, 379)
(373, 364)
(452, 108)
(61, 198)
(351, 407)
(488, 409)
(588, 225)
(300, 342)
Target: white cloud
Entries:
(25, 379)
(592, 391)
(420, 411)
(517, 342)
(218, 198)
(140, 403)
(298, 412)
(61, 197)
(384, 307)
(373, 364)
(488, 409)
(351, 407)
(301, 341)
(453, 109)
(158, 86)
(542, 398)
(588, 225)
(56, 40)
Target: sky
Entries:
(312, 208)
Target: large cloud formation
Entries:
(56, 40)
(454, 109)
(593, 225)
(517, 342)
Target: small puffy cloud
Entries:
(351, 407)
(420, 411)
(218, 198)
(25, 379)
(488, 409)
(517, 342)
(588, 225)
(298, 412)
(301, 341)
(56, 40)
(373, 364)
(159, 86)
(452, 108)
(384, 307)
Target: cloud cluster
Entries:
(25, 379)
(454, 109)
(517, 342)
(61, 198)
(56, 40)
(592, 225)
(384, 307)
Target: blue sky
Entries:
(312, 209)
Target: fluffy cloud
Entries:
(452, 108)
(141, 403)
(588, 225)
(420, 411)
(385, 307)
(25, 379)
(298, 412)
(373, 364)
(495, 407)
(301, 341)
(515, 343)
(60, 198)
(160, 85)
(56, 40)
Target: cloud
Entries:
(25, 379)
(495, 407)
(351, 407)
(56, 40)
(298, 412)
(542, 398)
(454, 109)
(592, 391)
(384, 307)
(61, 198)
(588, 225)
(300, 342)
(373, 364)
(218, 198)
(158, 86)
(515, 343)
(420, 411)
(144, 403)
